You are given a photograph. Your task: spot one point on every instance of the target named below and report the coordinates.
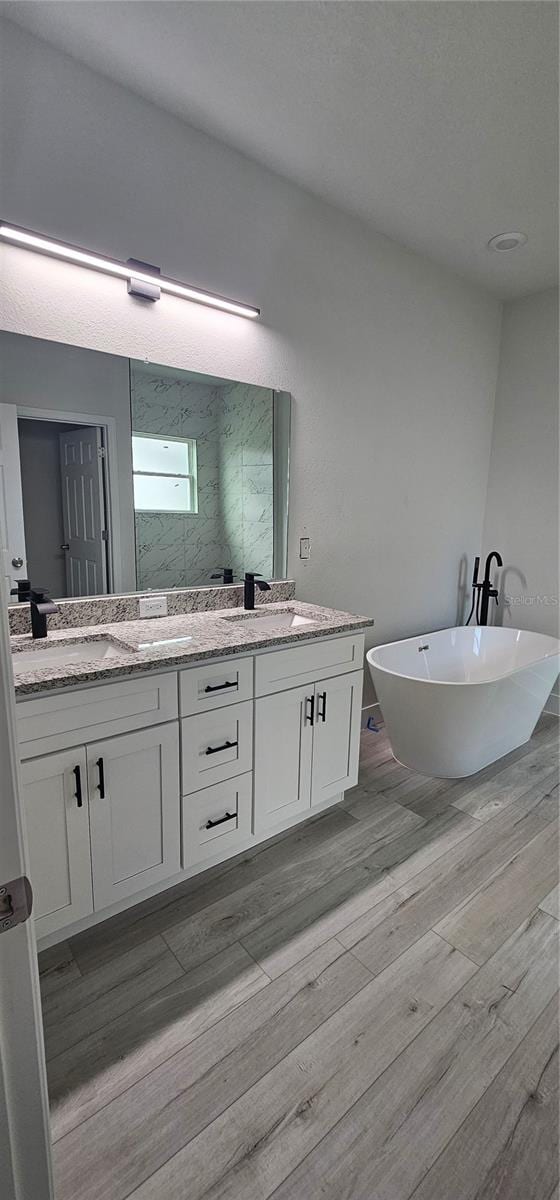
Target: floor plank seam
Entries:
(351, 951)
(458, 948)
(172, 952)
(256, 961)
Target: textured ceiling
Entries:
(435, 122)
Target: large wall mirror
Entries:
(124, 475)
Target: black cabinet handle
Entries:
(322, 711)
(310, 714)
(216, 749)
(101, 784)
(220, 821)
(78, 776)
(218, 687)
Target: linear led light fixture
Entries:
(149, 279)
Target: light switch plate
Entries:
(304, 547)
(153, 606)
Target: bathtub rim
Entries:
(465, 682)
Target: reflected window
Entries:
(164, 474)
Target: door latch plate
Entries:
(16, 903)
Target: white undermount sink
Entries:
(62, 653)
(276, 620)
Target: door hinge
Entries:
(16, 903)
(101, 452)
(104, 535)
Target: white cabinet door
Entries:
(55, 801)
(336, 736)
(283, 750)
(134, 812)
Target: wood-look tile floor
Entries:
(364, 1009)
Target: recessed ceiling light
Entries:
(503, 242)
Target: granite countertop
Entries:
(144, 645)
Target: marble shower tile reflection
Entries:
(257, 509)
(233, 428)
(258, 480)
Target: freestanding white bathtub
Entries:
(455, 700)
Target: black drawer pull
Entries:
(101, 785)
(216, 749)
(219, 687)
(322, 711)
(78, 794)
(310, 714)
(220, 821)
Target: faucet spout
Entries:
(40, 608)
(487, 592)
(250, 583)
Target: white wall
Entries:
(391, 360)
(522, 502)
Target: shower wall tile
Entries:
(232, 425)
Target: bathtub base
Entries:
(476, 765)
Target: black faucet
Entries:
(40, 607)
(22, 591)
(251, 581)
(486, 591)
(226, 575)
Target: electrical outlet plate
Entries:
(153, 606)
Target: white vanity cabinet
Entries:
(102, 823)
(102, 808)
(128, 784)
(306, 748)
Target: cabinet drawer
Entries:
(217, 819)
(216, 746)
(215, 684)
(70, 718)
(282, 669)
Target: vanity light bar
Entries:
(128, 271)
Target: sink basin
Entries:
(62, 653)
(276, 620)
